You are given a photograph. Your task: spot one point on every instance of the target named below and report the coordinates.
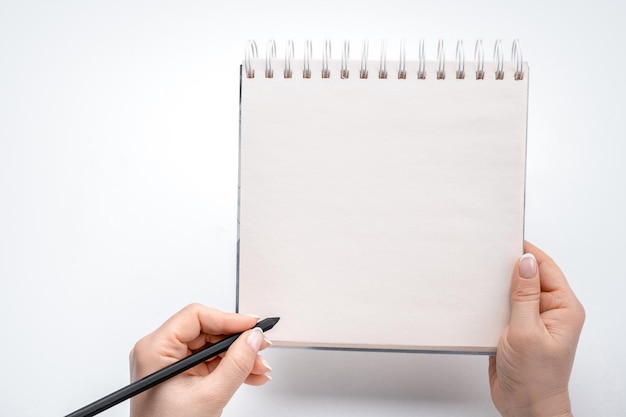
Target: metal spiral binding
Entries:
(460, 57)
(364, 53)
(516, 55)
(498, 56)
(441, 57)
(289, 54)
(421, 71)
(251, 54)
(402, 64)
(325, 59)
(479, 57)
(382, 72)
(308, 51)
(345, 55)
(270, 53)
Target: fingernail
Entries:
(527, 266)
(255, 338)
(269, 342)
(266, 364)
(253, 316)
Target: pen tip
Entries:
(268, 323)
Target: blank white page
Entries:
(381, 213)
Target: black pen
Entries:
(169, 371)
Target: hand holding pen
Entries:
(205, 389)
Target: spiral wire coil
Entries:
(251, 54)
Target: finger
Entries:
(236, 366)
(261, 366)
(556, 290)
(266, 343)
(492, 370)
(205, 339)
(552, 278)
(557, 294)
(549, 302)
(199, 342)
(525, 293)
(257, 380)
(195, 319)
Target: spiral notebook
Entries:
(381, 203)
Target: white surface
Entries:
(118, 150)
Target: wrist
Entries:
(568, 414)
(553, 406)
(524, 413)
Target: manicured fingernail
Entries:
(269, 342)
(255, 338)
(266, 364)
(527, 266)
(253, 315)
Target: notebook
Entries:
(381, 202)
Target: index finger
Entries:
(195, 319)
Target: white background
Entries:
(118, 179)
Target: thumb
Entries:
(525, 292)
(236, 365)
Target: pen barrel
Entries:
(168, 372)
(155, 378)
